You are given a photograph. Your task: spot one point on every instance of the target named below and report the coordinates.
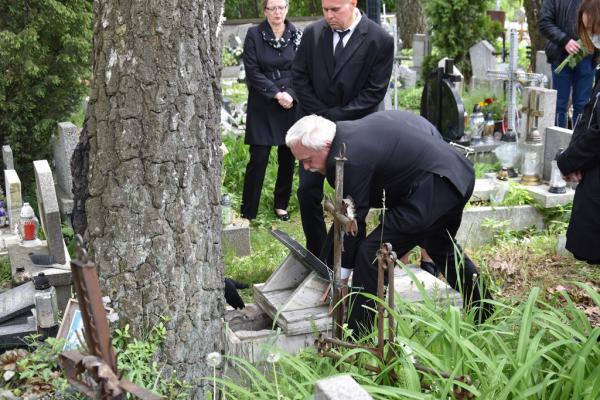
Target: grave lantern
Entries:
(226, 211)
(508, 152)
(476, 124)
(488, 128)
(500, 187)
(27, 227)
(531, 158)
(557, 183)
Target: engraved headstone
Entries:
(419, 46)
(48, 210)
(13, 196)
(555, 139)
(63, 146)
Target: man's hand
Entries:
(572, 46)
(576, 176)
(284, 99)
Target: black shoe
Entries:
(429, 266)
(282, 217)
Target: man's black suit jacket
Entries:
(356, 85)
(404, 154)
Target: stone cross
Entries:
(48, 210)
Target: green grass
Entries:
(5, 272)
(534, 349)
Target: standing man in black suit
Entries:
(426, 182)
(341, 71)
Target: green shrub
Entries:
(45, 48)
(457, 25)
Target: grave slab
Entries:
(436, 289)
(237, 237)
(555, 138)
(13, 335)
(13, 196)
(59, 275)
(471, 232)
(482, 190)
(7, 157)
(48, 210)
(341, 387)
(546, 199)
(16, 301)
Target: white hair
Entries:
(312, 131)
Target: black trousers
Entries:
(255, 176)
(310, 198)
(438, 237)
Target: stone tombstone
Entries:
(7, 157)
(482, 59)
(48, 210)
(546, 105)
(419, 46)
(542, 66)
(408, 76)
(64, 144)
(13, 196)
(555, 139)
(341, 387)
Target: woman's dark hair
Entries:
(591, 10)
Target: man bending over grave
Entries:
(426, 182)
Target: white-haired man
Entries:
(427, 184)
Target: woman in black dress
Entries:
(580, 162)
(269, 50)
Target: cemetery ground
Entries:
(541, 343)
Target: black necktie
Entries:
(337, 52)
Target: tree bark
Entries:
(410, 17)
(532, 10)
(153, 213)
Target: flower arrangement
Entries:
(493, 105)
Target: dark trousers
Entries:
(438, 239)
(310, 196)
(580, 81)
(255, 176)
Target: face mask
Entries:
(595, 39)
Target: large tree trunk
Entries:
(411, 19)
(153, 212)
(532, 10)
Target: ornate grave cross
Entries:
(343, 224)
(102, 380)
(513, 77)
(533, 112)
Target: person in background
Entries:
(341, 72)
(269, 49)
(558, 24)
(580, 162)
